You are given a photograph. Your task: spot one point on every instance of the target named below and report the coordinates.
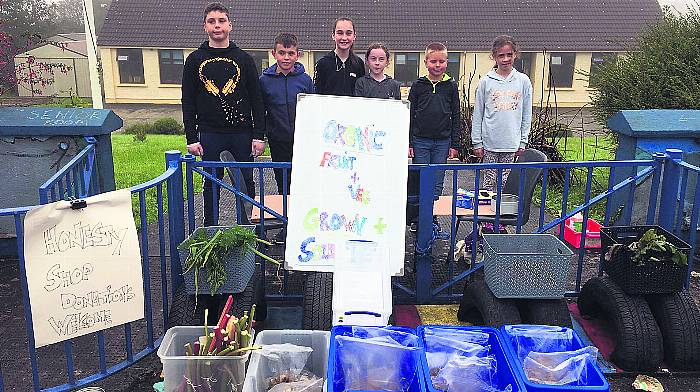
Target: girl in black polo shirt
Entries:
(337, 71)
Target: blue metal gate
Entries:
(668, 204)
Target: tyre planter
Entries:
(545, 312)
(638, 340)
(186, 310)
(678, 318)
(318, 301)
(481, 307)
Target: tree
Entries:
(661, 73)
(22, 26)
(23, 20)
(68, 16)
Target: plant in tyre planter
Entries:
(644, 259)
(220, 259)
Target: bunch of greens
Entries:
(209, 253)
(654, 247)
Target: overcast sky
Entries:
(680, 5)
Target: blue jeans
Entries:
(432, 151)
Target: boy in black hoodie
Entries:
(435, 123)
(222, 105)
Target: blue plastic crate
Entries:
(335, 367)
(596, 382)
(504, 369)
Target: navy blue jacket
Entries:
(280, 97)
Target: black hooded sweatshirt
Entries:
(221, 93)
(335, 77)
(435, 110)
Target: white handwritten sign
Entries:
(83, 267)
(349, 180)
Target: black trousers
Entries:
(239, 144)
(281, 152)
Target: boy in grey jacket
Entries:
(502, 112)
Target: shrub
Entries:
(162, 126)
(139, 130)
(661, 73)
(167, 126)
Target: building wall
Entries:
(474, 64)
(151, 91)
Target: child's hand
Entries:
(195, 149)
(479, 152)
(453, 153)
(257, 148)
(410, 152)
(519, 152)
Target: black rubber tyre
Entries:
(678, 318)
(184, 312)
(260, 300)
(638, 340)
(480, 307)
(318, 301)
(182, 309)
(545, 312)
(242, 302)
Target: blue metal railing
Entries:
(426, 290)
(669, 183)
(78, 178)
(138, 341)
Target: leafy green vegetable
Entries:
(653, 247)
(209, 253)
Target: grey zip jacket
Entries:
(367, 87)
(502, 112)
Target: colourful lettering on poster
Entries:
(338, 161)
(312, 251)
(316, 220)
(380, 226)
(362, 139)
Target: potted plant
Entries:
(644, 259)
(653, 247)
(220, 259)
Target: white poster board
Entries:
(348, 180)
(83, 267)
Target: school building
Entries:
(143, 44)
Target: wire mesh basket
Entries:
(526, 265)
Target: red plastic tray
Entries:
(573, 237)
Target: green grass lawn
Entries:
(588, 148)
(136, 162)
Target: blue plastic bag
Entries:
(462, 335)
(385, 335)
(539, 338)
(560, 368)
(376, 363)
(439, 351)
(469, 374)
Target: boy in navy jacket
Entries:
(280, 85)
